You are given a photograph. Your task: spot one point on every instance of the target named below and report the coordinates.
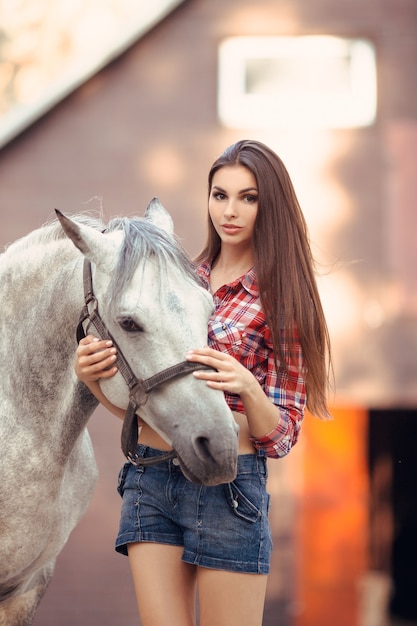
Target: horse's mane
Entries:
(51, 231)
(143, 240)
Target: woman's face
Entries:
(233, 204)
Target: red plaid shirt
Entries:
(238, 327)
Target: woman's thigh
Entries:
(164, 584)
(230, 598)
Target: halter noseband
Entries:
(139, 388)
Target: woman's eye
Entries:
(251, 199)
(130, 326)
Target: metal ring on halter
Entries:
(144, 461)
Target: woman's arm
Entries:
(274, 421)
(262, 415)
(94, 360)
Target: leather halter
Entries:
(139, 388)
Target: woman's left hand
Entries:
(230, 376)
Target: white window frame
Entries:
(294, 103)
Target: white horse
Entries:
(154, 308)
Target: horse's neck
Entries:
(56, 308)
(41, 302)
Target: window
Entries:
(311, 81)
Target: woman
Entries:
(269, 346)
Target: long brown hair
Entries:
(284, 266)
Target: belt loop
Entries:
(261, 463)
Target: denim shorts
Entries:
(222, 527)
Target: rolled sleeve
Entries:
(279, 441)
(286, 389)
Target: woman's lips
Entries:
(231, 229)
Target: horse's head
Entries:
(156, 311)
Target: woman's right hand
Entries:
(94, 359)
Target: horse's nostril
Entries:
(202, 448)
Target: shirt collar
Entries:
(248, 281)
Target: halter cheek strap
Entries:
(139, 388)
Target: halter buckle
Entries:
(138, 393)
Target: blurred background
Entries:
(105, 104)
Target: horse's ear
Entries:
(158, 215)
(91, 242)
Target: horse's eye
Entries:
(130, 326)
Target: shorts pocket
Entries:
(241, 505)
(122, 479)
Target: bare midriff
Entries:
(148, 437)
